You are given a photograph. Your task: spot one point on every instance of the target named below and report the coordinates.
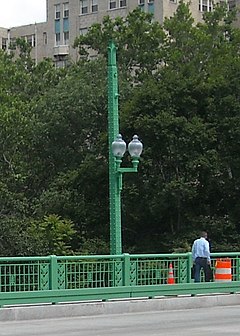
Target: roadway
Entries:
(213, 321)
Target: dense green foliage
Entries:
(179, 90)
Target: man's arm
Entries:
(193, 252)
(207, 250)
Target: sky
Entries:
(21, 12)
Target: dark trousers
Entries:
(201, 263)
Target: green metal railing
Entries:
(100, 277)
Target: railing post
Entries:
(237, 269)
(53, 285)
(126, 269)
(189, 266)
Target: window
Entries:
(122, 3)
(83, 6)
(112, 4)
(66, 38)
(65, 25)
(34, 40)
(57, 12)
(205, 5)
(94, 6)
(61, 61)
(225, 4)
(151, 6)
(232, 4)
(65, 10)
(13, 44)
(57, 39)
(4, 43)
(83, 31)
(30, 39)
(141, 4)
(44, 38)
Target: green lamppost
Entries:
(117, 148)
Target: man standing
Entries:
(201, 256)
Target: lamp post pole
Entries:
(117, 148)
(113, 130)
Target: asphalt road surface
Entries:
(216, 321)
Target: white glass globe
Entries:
(119, 146)
(135, 147)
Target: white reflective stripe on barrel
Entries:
(223, 271)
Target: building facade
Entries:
(67, 19)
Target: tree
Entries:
(179, 91)
(54, 234)
(183, 113)
(137, 37)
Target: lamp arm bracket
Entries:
(127, 170)
(119, 181)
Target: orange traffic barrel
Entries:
(223, 270)
(170, 279)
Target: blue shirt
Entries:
(200, 248)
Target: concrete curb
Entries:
(115, 307)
